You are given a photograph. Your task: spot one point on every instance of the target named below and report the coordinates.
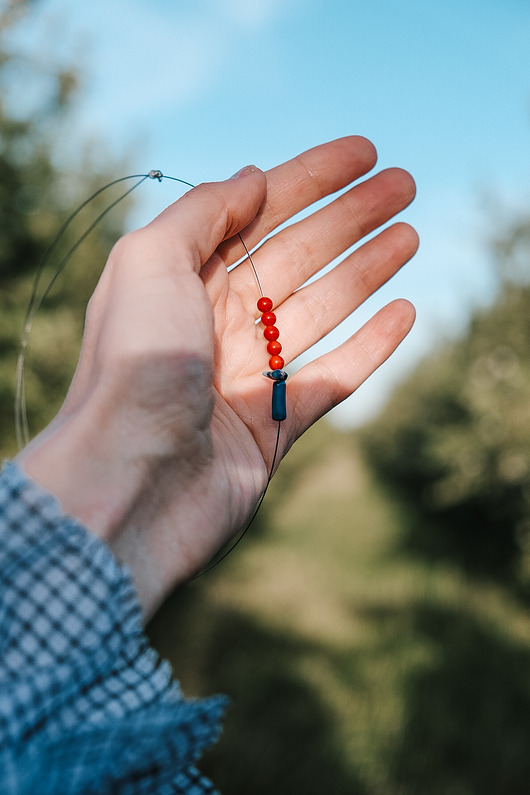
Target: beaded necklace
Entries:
(276, 373)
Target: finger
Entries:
(330, 379)
(315, 310)
(200, 220)
(291, 257)
(298, 183)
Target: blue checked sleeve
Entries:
(86, 706)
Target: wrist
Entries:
(76, 459)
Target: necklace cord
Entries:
(36, 302)
(224, 553)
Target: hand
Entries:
(165, 440)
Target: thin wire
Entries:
(252, 264)
(249, 255)
(35, 303)
(174, 179)
(222, 555)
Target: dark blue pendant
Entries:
(279, 407)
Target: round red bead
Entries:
(276, 363)
(271, 333)
(274, 347)
(264, 304)
(268, 318)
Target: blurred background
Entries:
(373, 628)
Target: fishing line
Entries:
(264, 305)
(224, 553)
(35, 302)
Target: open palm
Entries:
(168, 408)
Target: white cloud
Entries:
(147, 56)
(135, 58)
(139, 60)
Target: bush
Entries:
(454, 441)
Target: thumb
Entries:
(208, 214)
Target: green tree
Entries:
(36, 196)
(454, 440)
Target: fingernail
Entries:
(244, 171)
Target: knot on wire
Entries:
(155, 174)
(275, 375)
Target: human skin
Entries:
(165, 440)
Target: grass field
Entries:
(353, 667)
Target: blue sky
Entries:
(442, 87)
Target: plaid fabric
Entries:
(85, 705)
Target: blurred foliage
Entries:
(454, 440)
(371, 629)
(36, 196)
(354, 668)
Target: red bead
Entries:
(271, 333)
(264, 304)
(268, 318)
(276, 363)
(274, 348)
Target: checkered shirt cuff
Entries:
(86, 706)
